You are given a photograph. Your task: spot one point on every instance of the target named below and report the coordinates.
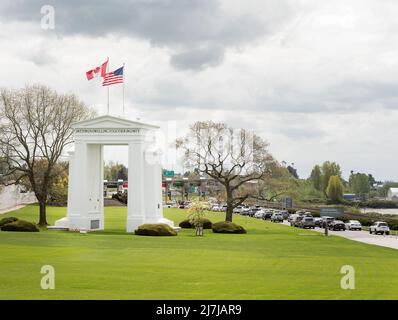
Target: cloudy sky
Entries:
(317, 79)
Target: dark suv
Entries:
(337, 225)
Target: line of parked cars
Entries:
(304, 219)
(256, 212)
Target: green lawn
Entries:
(270, 262)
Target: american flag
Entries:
(113, 77)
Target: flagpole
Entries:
(107, 70)
(123, 87)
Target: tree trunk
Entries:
(43, 216)
(228, 216)
(229, 213)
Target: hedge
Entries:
(7, 220)
(186, 224)
(227, 227)
(157, 229)
(21, 226)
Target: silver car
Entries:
(353, 225)
(307, 222)
(277, 217)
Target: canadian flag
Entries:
(98, 71)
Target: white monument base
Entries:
(78, 224)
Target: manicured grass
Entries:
(270, 262)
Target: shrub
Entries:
(159, 229)
(186, 224)
(227, 227)
(7, 220)
(20, 225)
(380, 204)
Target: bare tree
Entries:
(35, 127)
(231, 157)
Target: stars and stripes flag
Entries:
(113, 77)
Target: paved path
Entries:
(113, 203)
(3, 211)
(363, 236)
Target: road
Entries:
(363, 236)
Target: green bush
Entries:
(7, 220)
(20, 225)
(227, 227)
(158, 229)
(186, 224)
(380, 204)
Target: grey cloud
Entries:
(196, 31)
(198, 58)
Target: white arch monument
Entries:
(85, 190)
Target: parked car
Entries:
(353, 225)
(295, 222)
(267, 214)
(379, 227)
(318, 222)
(245, 211)
(238, 209)
(285, 214)
(259, 214)
(300, 212)
(253, 211)
(337, 225)
(215, 208)
(306, 222)
(277, 217)
(326, 220)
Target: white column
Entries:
(136, 189)
(71, 167)
(78, 188)
(153, 187)
(95, 187)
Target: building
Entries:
(392, 194)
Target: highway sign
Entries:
(168, 173)
(334, 212)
